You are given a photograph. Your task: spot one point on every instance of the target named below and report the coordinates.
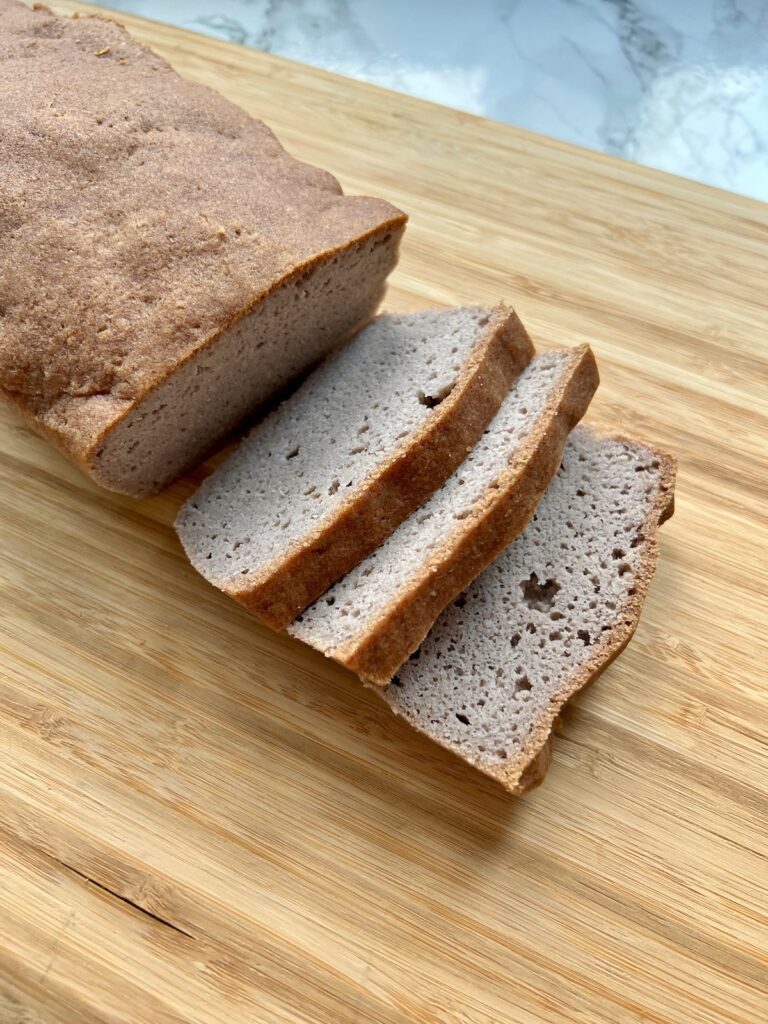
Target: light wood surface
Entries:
(202, 821)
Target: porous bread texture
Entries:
(379, 613)
(336, 468)
(143, 218)
(547, 616)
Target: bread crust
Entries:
(143, 217)
(412, 473)
(476, 542)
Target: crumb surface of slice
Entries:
(374, 617)
(547, 616)
(366, 440)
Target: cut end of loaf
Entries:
(547, 616)
(294, 327)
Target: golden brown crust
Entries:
(516, 774)
(411, 475)
(464, 555)
(142, 215)
(534, 772)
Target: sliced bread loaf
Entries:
(379, 613)
(547, 616)
(336, 468)
(165, 265)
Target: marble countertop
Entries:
(681, 85)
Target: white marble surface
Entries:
(678, 84)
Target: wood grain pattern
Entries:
(202, 821)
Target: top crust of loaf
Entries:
(141, 216)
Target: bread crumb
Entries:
(103, 52)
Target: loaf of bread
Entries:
(379, 613)
(366, 439)
(547, 616)
(165, 266)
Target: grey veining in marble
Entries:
(677, 84)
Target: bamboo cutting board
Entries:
(202, 821)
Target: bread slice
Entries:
(165, 265)
(380, 612)
(547, 616)
(367, 439)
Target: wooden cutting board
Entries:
(204, 822)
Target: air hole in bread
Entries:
(539, 596)
(432, 401)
